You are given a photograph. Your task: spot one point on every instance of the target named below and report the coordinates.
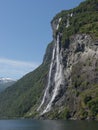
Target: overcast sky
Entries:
(25, 32)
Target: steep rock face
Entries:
(81, 63)
(82, 49)
(55, 83)
(80, 67)
(78, 46)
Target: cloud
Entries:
(15, 69)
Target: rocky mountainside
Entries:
(6, 82)
(65, 85)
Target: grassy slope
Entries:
(18, 99)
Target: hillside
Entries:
(65, 85)
(5, 83)
(18, 99)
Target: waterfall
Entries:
(58, 78)
(68, 24)
(49, 79)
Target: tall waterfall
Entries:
(49, 79)
(55, 82)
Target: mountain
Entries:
(65, 85)
(5, 82)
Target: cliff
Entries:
(78, 99)
(65, 85)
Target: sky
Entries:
(25, 32)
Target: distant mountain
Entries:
(65, 85)
(6, 82)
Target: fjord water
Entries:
(47, 125)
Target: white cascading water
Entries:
(55, 82)
(67, 25)
(58, 79)
(49, 79)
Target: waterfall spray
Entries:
(58, 79)
(49, 78)
(55, 82)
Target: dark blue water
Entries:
(47, 125)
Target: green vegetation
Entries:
(59, 114)
(80, 99)
(84, 20)
(93, 106)
(3, 86)
(89, 103)
(19, 99)
(85, 88)
(65, 114)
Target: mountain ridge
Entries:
(5, 82)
